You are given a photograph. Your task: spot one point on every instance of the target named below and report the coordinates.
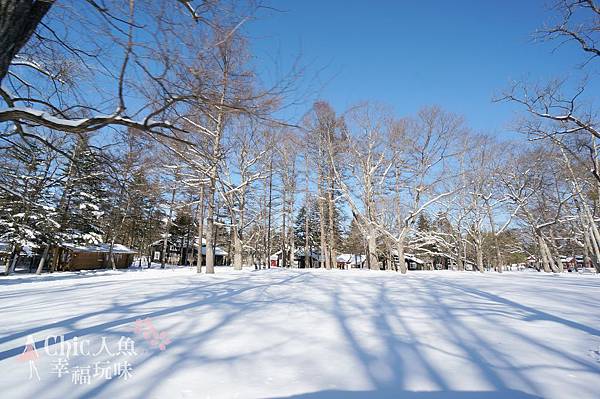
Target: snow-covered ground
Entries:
(302, 334)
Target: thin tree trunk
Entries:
(168, 228)
(43, 260)
(332, 251)
(200, 231)
(269, 213)
(13, 261)
(110, 254)
(324, 258)
(283, 229)
(237, 249)
(210, 227)
(498, 259)
(306, 213)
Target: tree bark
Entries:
(168, 227)
(372, 246)
(497, 254)
(401, 257)
(10, 267)
(322, 230)
(479, 255)
(210, 226)
(200, 231)
(332, 251)
(237, 249)
(18, 21)
(43, 260)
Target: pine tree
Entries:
(355, 241)
(84, 196)
(27, 212)
(313, 225)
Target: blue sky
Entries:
(408, 54)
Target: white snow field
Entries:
(300, 334)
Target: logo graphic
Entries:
(152, 336)
(84, 360)
(30, 355)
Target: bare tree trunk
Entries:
(283, 229)
(372, 247)
(43, 260)
(306, 213)
(555, 254)
(544, 257)
(401, 257)
(320, 199)
(596, 249)
(479, 255)
(292, 248)
(55, 259)
(269, 213)
(168, 227)
(210, 227)
(498, 259)
(18, 21)
(460, 264)
(544, 254)
(331, 205)
(110, 254)
(200, 231)
(13, 261)
(237, 249)
(323, 234)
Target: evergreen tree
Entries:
(355, 240)
(84, 196)
(313, 225)
(27, 180)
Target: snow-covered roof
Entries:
(312, 254)
(218, 251)
(413, 258)
(410, 258)
(117, 248)
(6, 248)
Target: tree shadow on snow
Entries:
(381, 336)
(400, 394)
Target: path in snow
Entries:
(308, 334)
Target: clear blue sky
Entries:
(456, 54)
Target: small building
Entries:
(176, 254)
(173, 253)
(276, 259)
(348, 261)
(411, 261)
(73, 257)
(574, 263)
(314, 259)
